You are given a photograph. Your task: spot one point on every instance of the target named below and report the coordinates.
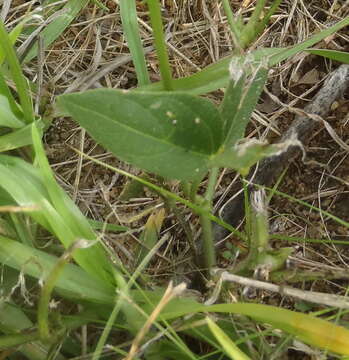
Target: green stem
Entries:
(17, 75)
(267, 17)
(249, 32)
(235, 31)
(209, 252)
(165, 193)
(160, 44)
(247, 208)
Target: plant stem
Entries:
(268, 15)
(232, 23)
(160, 43)
(209, 252)
(249, 32)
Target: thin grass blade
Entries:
(128, 13)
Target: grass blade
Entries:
(228, 345)
(17, 75)
(341, 56)
(53, 30)
(128, 15)
(216, 76)
(74, 283)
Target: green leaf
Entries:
(74, 282)
(17, 75)
(311, 330)
(33, 191)
(212, 77)
(7, 117)
(228, 345)
(241, 157)
(53, 30)
(130, 28)
(149, 236)
(275, 59)
(18, 138)
(6, 92)
(216, 76)
(341, 56)
(172, 135)
(237, 112)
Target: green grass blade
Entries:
(250, 30)
(17, 75)
(234, 28)
(94, 259)
(19, 138)
(128, 15)
(160, 43)
(33, 192)
(309, 329)
(341, 56)
(309, 42)
(74, 283)
(5, 91)
(53, 30)
(228, 345)
(13, 36)
(216, 76)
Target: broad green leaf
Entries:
(341, 56)
(7, 117)
(74, 283)
(228, 345)
(172, 135)
(53, 30)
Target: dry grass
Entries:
(93, 53)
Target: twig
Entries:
(336, 301)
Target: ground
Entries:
(198, 35)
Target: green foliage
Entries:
(172, 135)
(331, 54)
(128, 14)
